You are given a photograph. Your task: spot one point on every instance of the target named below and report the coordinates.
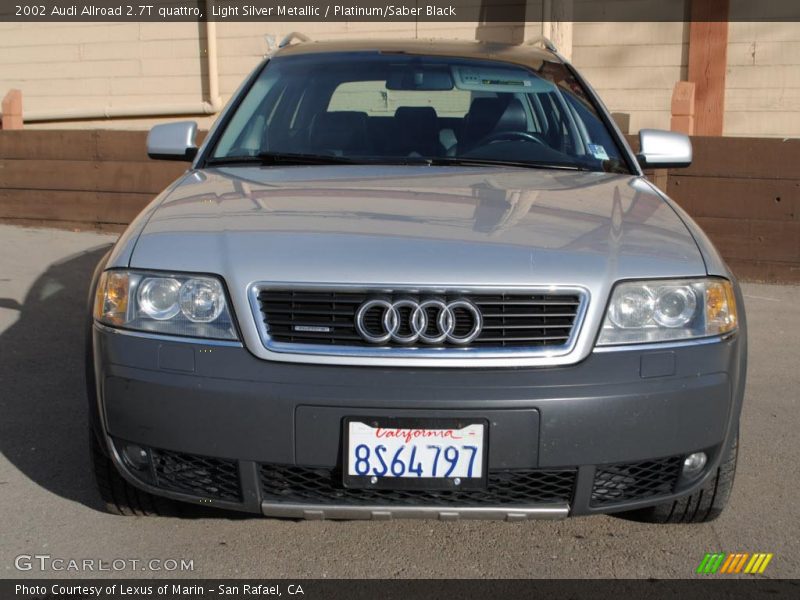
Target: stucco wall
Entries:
(762, 95)
(634, 66)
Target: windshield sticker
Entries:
(499, 79)
(597, 151)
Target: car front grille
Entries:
(197, 475)
(305, 485)
(635, 481)
(509, 320)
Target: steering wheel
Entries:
(509, 135)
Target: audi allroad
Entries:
(416, 279)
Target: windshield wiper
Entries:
(279, 158)
(485, 162)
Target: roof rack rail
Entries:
(544, 42)
(294, 35)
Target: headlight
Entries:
(185, 305)
(663, 310)
(158, 297)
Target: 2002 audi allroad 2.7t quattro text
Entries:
(416, 279)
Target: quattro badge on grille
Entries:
(406, 321)
(312, 328)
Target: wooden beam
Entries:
(520, 21)
(11, 109)
(501, 23)
(708, 57)
(557, 25)
(683, 108)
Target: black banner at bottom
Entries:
(394, 589)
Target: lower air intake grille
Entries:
(323, 486)
(635, 481)
(197, 475)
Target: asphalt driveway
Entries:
(49, 505)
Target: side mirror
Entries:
(173, 141)
(664, 149)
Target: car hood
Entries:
(416, 225)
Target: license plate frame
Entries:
(415, 483)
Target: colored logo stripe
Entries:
(758, 563)
(711, 563)
(734, 563)
(732, 558)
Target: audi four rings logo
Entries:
(407, 321)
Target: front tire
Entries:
(702, 506)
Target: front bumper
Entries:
(605, 435)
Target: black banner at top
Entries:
(479, 11)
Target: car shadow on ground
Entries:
(44, 424)
(43, 430)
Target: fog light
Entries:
(694, 463)
(136, 456)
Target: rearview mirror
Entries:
(420, 79)
(173, 141)
(664, 149)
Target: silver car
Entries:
(416, 279)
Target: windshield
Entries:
(370, 107)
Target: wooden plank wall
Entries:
(82, 178)
(744, 192)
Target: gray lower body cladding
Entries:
(605, 435)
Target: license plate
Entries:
(415, 453)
